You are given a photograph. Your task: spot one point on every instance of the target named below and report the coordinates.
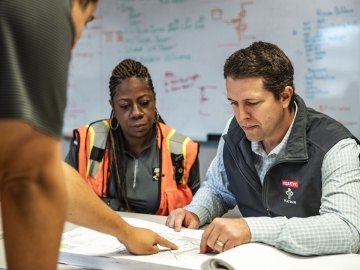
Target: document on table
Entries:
(87, 248)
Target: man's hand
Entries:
(182, 218)
(223, 234)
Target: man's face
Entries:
(259, 114)
(81, 15)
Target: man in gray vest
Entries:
(293, 172)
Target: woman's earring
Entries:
(112, 119)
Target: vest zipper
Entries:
(135, 173)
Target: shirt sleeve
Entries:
(336, 229)
(213, 199)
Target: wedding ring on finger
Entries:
(219, 243)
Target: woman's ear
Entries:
(111, 104)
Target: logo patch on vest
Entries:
(156, 174)
(290, 185)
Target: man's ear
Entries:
(286, 95)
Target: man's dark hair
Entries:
(265, 60)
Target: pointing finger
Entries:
(165, 243)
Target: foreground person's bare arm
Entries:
(87, 210)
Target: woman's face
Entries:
(134, 107)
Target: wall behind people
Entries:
(184, 43)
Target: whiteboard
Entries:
(185, 43)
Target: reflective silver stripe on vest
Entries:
(176, 141)
(100, 131)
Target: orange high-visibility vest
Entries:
(175, 192)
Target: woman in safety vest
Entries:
(134, 161)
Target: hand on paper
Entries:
(223, 234)
(142, 241)
(181, 217)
